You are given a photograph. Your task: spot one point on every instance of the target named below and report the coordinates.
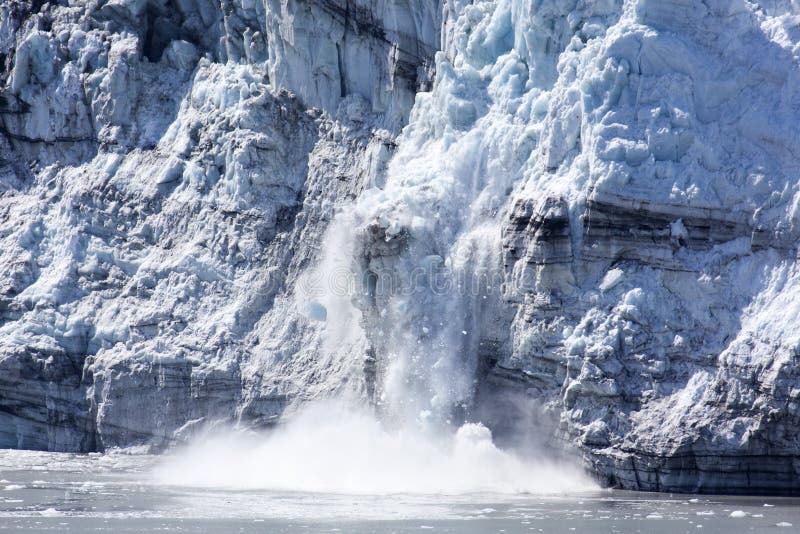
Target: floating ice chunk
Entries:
(654, 516)
(14, 487)
(783, 524)
(739, 513)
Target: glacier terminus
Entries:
(570, 225)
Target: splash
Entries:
(336, 448)
(410, 274)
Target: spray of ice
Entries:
(419, 291)
(334, 448)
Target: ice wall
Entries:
(615, 182)
(587, 226)
(167, 169)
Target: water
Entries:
(56, 492)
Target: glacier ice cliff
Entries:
(578, 216)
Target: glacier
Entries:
(574, 216)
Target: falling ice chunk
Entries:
(678, 232)
(611, 279)
(50, 512)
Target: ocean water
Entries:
(57, 492)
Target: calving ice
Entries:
(566, 228)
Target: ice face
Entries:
(590, 154)
(588, 207)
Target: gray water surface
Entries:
(52, 492)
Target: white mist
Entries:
(334, 448)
